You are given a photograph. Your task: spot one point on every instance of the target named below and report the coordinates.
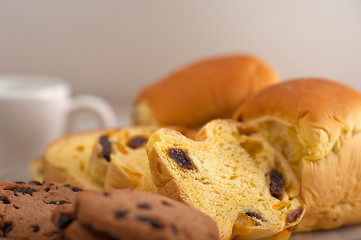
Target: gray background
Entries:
(114, 48)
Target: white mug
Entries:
(34, 110)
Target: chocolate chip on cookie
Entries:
(63, 221)
(120, 214)
(36, 183)
(4, 200)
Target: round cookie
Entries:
(131, 214)
(26, 208)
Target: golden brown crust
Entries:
(335, 200)
(206, 90)
(317, 124)
(317, 101)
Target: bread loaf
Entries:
(230, 173)
(316, 123)
(205, 90)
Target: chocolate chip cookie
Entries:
(128, 214)
(26, 208)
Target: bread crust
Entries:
(324, 119)
(208, 89)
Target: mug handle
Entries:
(95, 105)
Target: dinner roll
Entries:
(205, 90)
(316, 124)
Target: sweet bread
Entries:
(230, 173)
(205, 90)
(316, 123)
(66, 159)
(130, 214)
(119, 158)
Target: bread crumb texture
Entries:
(316, 124)
(230, 173)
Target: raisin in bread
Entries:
(230, 173)
(66, 159)
(205, 90)
(119, 158)
(316, 123)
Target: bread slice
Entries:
(204, 90)
(316, 123)
(230, 173)
(66, 159)
(119, 158)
